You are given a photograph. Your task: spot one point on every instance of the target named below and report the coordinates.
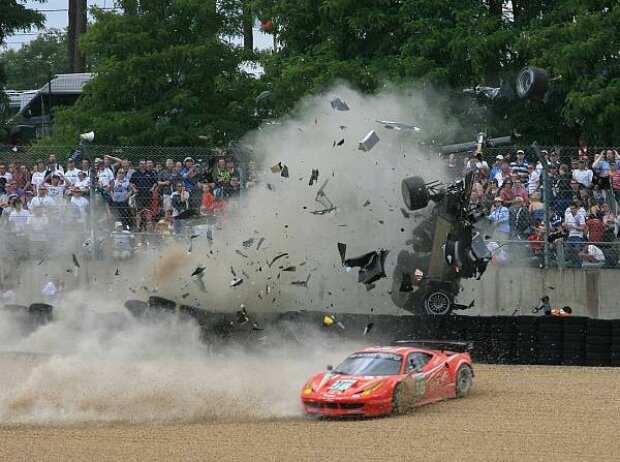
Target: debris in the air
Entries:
(185, 295)
(150, 291)
(290, 268)
(242, 315)
(405, 213)
(271, 187)
(322, 199)
(340, 143)
(284, 172)
(239, 252)
(277, 257)
(342, 127)
(198, 271)
(342, 250)
(398, 125)
(86, 243)
(248, 243)
(117, 272)
(366, 204)
(260, 242)
(277, 168)
(245, 274)
(236, 281)
(328, 320)
(368, 328)
(314, 176)
(369, 141)
(262, 96)
(302, 283)
(370, 286)
(371, 264)
(76, 263)
(41, 262)
(381, 222)
(232, 270)
(339, 105)
(132, 290)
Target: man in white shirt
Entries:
(42, 200)
(71, 175)
(5, 174)
(38, 176)
(83, 182)
(54, 166)
(56, 190)
(78, 205)
(18, 218)
(575, 224)
(591, 257)
(104, 174)
(533, 179)
(583, 175)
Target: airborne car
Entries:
(445, 247)
(383, 380)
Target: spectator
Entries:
(452, 165)
(78, 206)
(71, 174)
(7, 295)
(38, 176)
(536, 241)
(43, 201)
(18, 218)
(56, 190)
(104, 174)
(8, 176)
(519, 166)
(143, 182)
(575, 225)
(533, 179)
(166, 179)
(564, 194)
(54, 166)
(232, 189)
(503, 175)
(537, 208)
(497, 166)
(583, 174)
(21, 174)
(119, 190)
(614, 175)
(12, 188)
(520, 191)
(121, 240)
(595, 228)
(86, 168)
(38, 228)
(500, 219)
(188, 173)
(591, 257)
(520, 220)
(254, 175)
(219, 173)
(52, 292)
(506, 194)
(83, 182)
(180, 203)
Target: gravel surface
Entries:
(513, 414)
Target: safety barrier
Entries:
(545, 340)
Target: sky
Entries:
(56, 11)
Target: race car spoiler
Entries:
(449, 345)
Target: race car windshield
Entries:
(370, 364)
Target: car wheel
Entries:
(398, 399)
(438, 304)
(415, 193)
(464, 380)
(531, 83)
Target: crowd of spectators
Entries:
(142, 199)
(582, 202)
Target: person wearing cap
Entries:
(188, 173)
(533, 179)
(104, 173)
(83, 182)
(497, 166)
(121, 240)
(54, 166)
(500, 219)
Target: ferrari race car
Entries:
(383, 380)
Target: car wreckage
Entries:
(445, 248)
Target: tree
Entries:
(32, 65)
(163, 77)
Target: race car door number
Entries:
(342, 385)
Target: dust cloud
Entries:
(94, 362)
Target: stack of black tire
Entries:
(598, 342)
(574, 341)
(615, 343)
(526, 340)
(549, 344)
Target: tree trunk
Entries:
(248, 30)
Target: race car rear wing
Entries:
(459, 347)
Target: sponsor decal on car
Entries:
(342, 385)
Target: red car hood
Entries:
(339, 385)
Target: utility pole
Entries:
(77, 27)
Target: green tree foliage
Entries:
(456, 44)
(164, 76)
(30, 66)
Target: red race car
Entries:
(383, 380)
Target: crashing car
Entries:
(383, 380)
(445, 247)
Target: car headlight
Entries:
(370, 390)
(308, 388)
